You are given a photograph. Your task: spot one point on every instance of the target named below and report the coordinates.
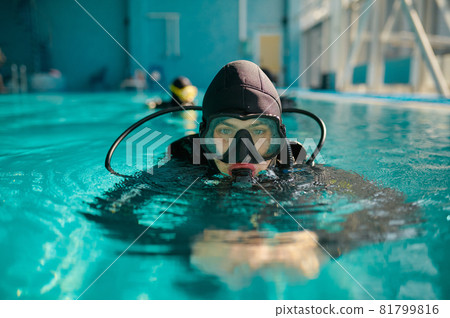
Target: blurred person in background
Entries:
(183, 94)
(137, 82)
(2, 61)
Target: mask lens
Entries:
(264, 133)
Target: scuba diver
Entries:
(237, 233)
(241, 134)
(183, 93)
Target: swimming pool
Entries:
(64, 218)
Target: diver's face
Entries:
(226, 130)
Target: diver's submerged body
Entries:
(215, 225)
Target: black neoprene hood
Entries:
(241, 88)
(181, 82)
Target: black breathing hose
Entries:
(136, 125)
(323, 130)
(177, 109)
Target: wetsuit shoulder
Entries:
(183, 149)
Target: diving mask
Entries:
(243, 139)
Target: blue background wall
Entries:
(209, 37)
(77, 46)
(292, 45)
(15, 33)
(44, 34)
(67, 39)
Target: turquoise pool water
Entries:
(379, 205)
